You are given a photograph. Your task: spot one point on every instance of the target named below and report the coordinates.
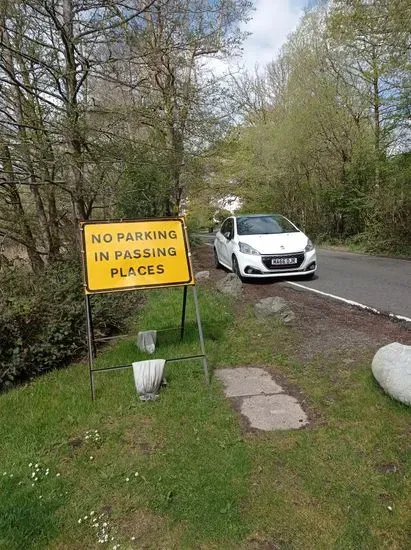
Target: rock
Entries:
(202, 275)
(231, 285)
(391, 368)
(274, 306)
(146, 341)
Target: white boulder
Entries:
(391, 368)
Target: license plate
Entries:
(283, 261)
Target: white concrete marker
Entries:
(350, 302)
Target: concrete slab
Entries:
(274, 412)
(261, 399)
(247, 381)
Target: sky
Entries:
(272, 22)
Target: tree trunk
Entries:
(27, 237)
(76, 135)
(21, 105)
(377, 117)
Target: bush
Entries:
(388, 227)
(42, 320)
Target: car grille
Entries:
(287, 267)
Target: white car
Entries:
(264, 245)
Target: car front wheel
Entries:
(216, 260)
(236, 268)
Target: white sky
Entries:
(273, 21)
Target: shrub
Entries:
(42, 320)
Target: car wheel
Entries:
(216, 260)
(236, 269)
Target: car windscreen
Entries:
(264, 225)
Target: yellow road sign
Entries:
(125, 255)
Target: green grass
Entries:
(202, 482)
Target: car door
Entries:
(219, 241)
(228, 235)
(229, 242)
(222, 241)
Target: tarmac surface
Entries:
(379, 283)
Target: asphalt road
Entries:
(380, 283)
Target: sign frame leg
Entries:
(90, 345)
(183, 314)
(93, 341)
(201, 336)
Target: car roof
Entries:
(255, 215)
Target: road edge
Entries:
(352, 302)
(357, 253)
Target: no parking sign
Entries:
(132, 254)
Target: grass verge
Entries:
(181, 473)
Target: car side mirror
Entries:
(227, 235)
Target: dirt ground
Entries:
(325, 326)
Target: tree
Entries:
(372, 55)
(179, 97)
(52, 167)
(84, 86)
(325, 123)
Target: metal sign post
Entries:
(129, 255)
(183, 313)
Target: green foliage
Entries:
(221, 215)
(320, 148)
(143, 188)
(388, 226)
(200, 217)
(42, 319)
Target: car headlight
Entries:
(247, 249)
(309, 246)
